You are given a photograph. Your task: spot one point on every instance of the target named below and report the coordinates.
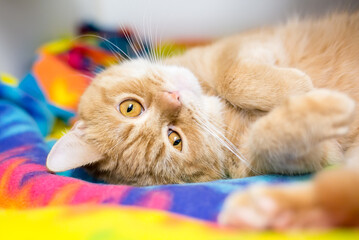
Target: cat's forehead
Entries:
(146, 80)
(135, 69)
(144, 72)
(135, 77)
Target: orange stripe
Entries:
(65, 194)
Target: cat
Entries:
(271, 100)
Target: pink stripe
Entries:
(13, 152)
(98, 193)
(19, 172)
(158, 200)
(45, 186)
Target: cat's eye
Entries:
(175, 140)
(130, 108)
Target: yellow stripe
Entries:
(95, 222)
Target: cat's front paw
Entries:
(297, 81)
(328, 113)
(274, 207)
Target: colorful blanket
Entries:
(34, 112)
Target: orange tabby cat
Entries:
(272, 100)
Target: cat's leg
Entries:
(331, 199)
(298, 136)
(258, 86)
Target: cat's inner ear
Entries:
(71, 151)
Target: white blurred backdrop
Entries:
(26, 24)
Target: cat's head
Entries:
(144, 123)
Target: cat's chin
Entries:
(182, 80)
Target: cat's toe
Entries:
(331, 112)
(339, 109)
(250, 209)
(273, 207)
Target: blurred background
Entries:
(27, 24)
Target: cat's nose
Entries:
(173, 99)
(170, 101)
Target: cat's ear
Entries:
(71, 151)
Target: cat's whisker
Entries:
(93, 68)
(107, 41)
(170, 50)
(162, 49)
(113, 51)
(154, 45)
(140, 42)
(83, 75)
(216, 136)
(146, 38)
(158, 44)
(150, 40)
(220, 125)
(223, 140)
(130, 41)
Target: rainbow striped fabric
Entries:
(34, 111)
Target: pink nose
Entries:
(173, 99)
(175, 96)
(170, 101)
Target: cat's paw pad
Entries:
(272, 207)
(329, 110)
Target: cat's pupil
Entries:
(130, 107)
(178, 141)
